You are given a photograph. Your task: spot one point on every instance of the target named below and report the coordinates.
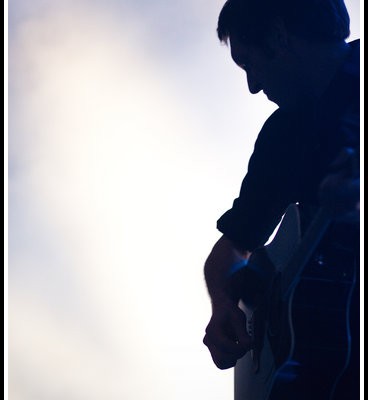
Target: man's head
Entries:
(275, 41)
(315, 20)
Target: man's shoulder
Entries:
(273, 126)
(281, 122)
(278, 119)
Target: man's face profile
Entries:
(267, 70)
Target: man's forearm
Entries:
(217, 269)
(226, 333)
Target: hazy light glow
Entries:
(121, 158)
(99, 173)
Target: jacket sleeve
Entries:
(270, 185)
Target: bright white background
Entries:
(130, 131)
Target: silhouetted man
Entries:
(297, 54)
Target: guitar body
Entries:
(301, 326)
(319, 321)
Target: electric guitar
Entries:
(297, 304)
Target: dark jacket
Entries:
(292, 155)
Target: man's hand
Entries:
(226, 336)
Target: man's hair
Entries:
(313, 20)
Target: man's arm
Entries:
(226, 336)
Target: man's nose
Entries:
(254, 84)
